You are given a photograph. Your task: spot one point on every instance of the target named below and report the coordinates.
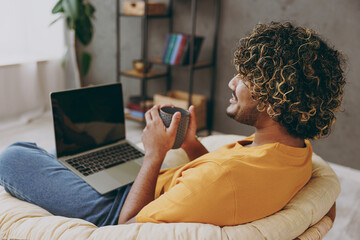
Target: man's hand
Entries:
(191, 145)
(190, 137)
(158, 139)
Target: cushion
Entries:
(22, 220)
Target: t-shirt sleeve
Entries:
(201, 194)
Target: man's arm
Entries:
(143, 190)
(194, 149)
(157, 140)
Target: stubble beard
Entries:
(248, 116)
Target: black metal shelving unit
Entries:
(191, 67)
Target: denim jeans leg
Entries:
(32, 174)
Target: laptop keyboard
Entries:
(94, 162)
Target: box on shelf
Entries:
(138, 8)
(180, 99)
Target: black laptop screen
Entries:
(87, 118)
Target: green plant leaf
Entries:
(56, 20)
(71, 8)
(84, 30)
(89, 10)
(85, 63)
(78, 16)
(81, 10)
(58, 8)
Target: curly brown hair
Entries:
(294, 75)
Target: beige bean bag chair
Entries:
(22, 220)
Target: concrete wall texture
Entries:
(336, 21)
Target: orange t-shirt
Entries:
(230, 186)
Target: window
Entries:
(25, 31)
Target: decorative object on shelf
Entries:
(180, 99)
(177, 49)
(141, 67)
(77, 15)
(138, 8)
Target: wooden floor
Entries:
(347, 222)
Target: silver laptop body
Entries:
(88, 121)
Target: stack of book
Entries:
(177, 49)
(137, 106)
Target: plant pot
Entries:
(71, 63)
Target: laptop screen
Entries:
(87, 118)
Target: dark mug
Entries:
(166, 114)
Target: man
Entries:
(288, 87)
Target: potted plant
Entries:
(78, 15)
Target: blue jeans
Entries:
(36, 176)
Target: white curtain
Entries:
(25, 90)
(30, 59)
(25, 31)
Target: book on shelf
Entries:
(168, 37)
(177, 49)
(139, 100)
(137, 114)
(181, 49)
(170, 47)
(185, 57)
(137, 106)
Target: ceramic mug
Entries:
(166, 114)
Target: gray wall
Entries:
(337, 21)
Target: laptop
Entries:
(89, 125)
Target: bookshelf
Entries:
(190, 68)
